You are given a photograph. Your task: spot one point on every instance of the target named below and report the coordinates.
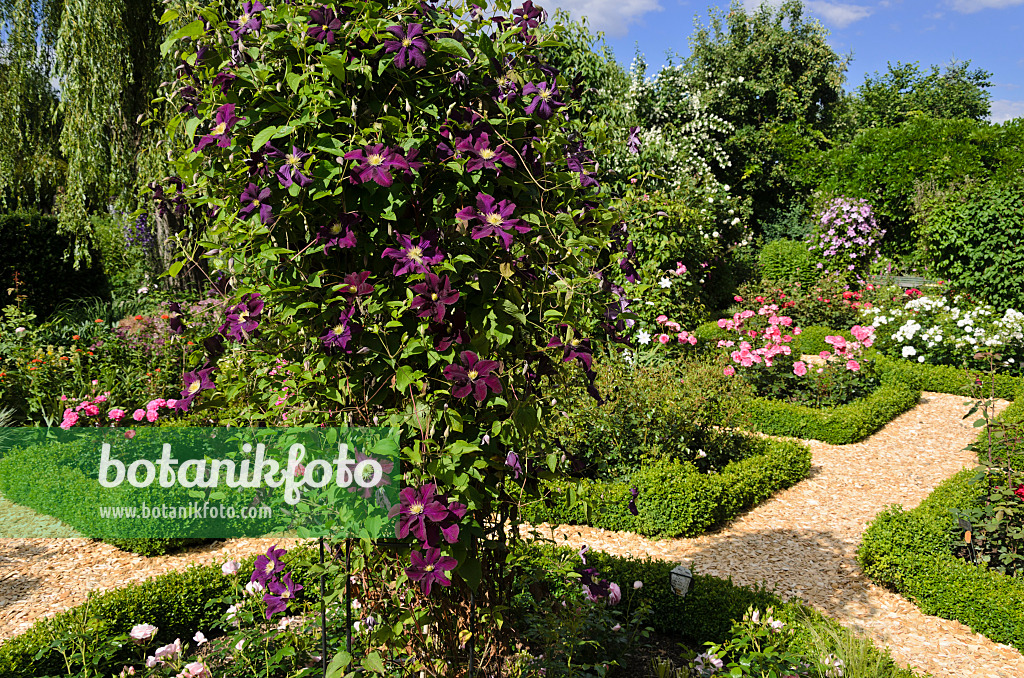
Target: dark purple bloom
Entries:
(267, 565)
(586, 179)
(447, 528)
(493, 219)
(415, 508)
(174, 318)
(414, 257)
(243, 318)
(579, 349)
(433, 296)
(546, 100)
(475, 377)
(254, 199)
(484, 156)
(453, 333)
(280, 593)
(195, 381)
(512, 461)
(291, 170)
(429, 567)
(322, 24)
(189, 99)
(410, 45)
(247, 22)
(528, 16)
(375, 163)
(258, 163)
(583, 553)
(224, 121)
(460, 80)
(340, 336)
(633, 143)
(632, 501)
(355, 285)
(223, 80)
(386, 465)
(339, 233)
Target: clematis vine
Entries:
(341, 334)
(483, 156)
(322, 24)
(429, 567)
(223, 80)
(338, 233)
(224, 122)
(280, 593)
(248, 21)
(545, 101)
(291, 170)
(254, 199)
(243, 318)
(433, 295)
(410, 45)
(195, 381)
(375, 164)
(258, 162)
(355, 285)
(415, 257)
(574, 349)
(267, 565)
(493, 218)
(416, 508)
(474, 376)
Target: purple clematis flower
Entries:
(254, 199)
(475, 377)
(447, 528)
(414, 257)
(586, 179)
(528, 16)
(174, 321)
(493, 218)
(633, 143)
(243, 318)
(453, 333)
(291, 170)
(415, 509)
(483, 156)
(429, 567)
(433, 296)
(386, 465)
(512, 461)
(258, 164)
(578, 349)
(195, 381)
(247, 22)
(189, 99)
(632, 501)
(322, 24)
(280, 593)
(224, 121)
(339, 233)
(223, 80)
(355, 285)
(375, 163)
(341, 334)
(267, 565)
(545, 102)
(410, 45)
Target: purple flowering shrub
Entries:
(398, 195)
(847, 238)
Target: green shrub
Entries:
(674, 498)
(945, 379)
(840, 425)
(31, 249)
(811, 340)
(787, 261)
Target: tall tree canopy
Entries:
(888, 100)
(783, 96)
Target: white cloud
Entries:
(1004, 109)
(971, 6)
(837, 14)
(611, 16)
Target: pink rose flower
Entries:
(152, 415)
(729, 371)
(116, 414)
(661, 319)
(139, 415)
(92, 410)
(664, 338)
(142, 633)
(799, 368)
(852, 365)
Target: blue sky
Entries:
(989, 33)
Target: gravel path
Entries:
(803, 541)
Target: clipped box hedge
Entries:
(899, 391)
(955, 380)
(912, 553)
(174, 602)
(674, 498)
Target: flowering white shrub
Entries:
(943, 331)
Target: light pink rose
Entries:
(729, 371)
(139, 415)
(664, 338)
(116, 414)
(230, 567)
(614, 594)
(661, 319)
(142, 633)
(152, 415)
(852, 365)
(800, 368)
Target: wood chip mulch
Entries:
(802, 542)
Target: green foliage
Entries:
(787, 261)
(904, 91)
(947, 379)
(975, 238)
(32, 250)
(811, 340)
(675, 498)
(840, 425)
(783, 97)
(912, 552)
(885, 166)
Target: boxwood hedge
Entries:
(674, 498)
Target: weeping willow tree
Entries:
(77, 145)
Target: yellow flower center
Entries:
(415, 253)
(494, 219)
(545, 94)
(244, 19)
(270, 567)
(473, 374)
(433, 297)
(375, 159)
(416, 509)
(255, 203)
(486, 154)
(219, 129)
(406, 42)
(575, 342)
(291, 159)
(428, 568)
(324, 28)
(335, 229)
(338, 330)
(194, 386)
(243, 314)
